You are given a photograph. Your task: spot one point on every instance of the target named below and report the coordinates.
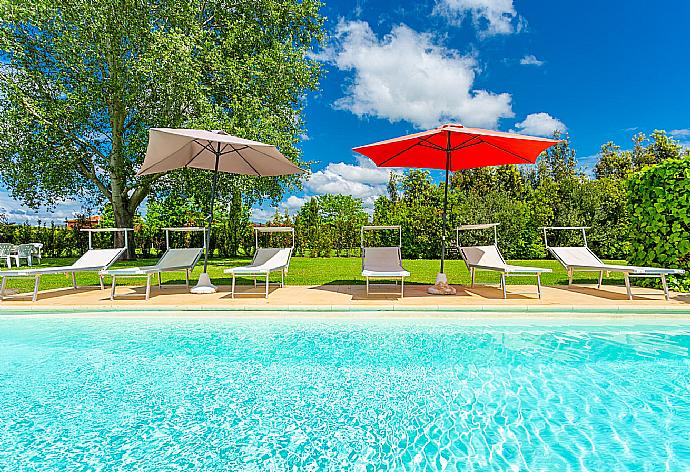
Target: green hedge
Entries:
(659, 205)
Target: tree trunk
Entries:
(124, 219)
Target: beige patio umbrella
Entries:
(170, 149)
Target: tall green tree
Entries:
(613, 163)
(655, 149)
(82, 81)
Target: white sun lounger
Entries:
(582, 259)
(173, 260)
(266, 260)
(489, 258)
(94, 260)
(383, 262)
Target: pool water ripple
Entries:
(186, 394)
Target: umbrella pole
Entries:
(445, 211)
(210, 213)
(204, 285)
(441, 287)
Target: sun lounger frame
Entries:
(263, 272)
(627, 271)
(38, 273)
(148, 272)
(507, 270)
(397, 228)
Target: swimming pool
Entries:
(320, 394)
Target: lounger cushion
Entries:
(382, 262)
(92, 260)
(576, 256)
(265, 260)
(172, 260)
(489, 258)
(581, 257)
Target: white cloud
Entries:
(410, 76)
(363, 180)
(262, 215)
(680, 132)
(489, 17)
(294, 203)
(540, 124)
(16, 212)
(531, 60)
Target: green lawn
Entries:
(307, 271)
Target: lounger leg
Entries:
(267, 284)
(503, 283)
(232, 290)
(159, 281)
(74, 281)
(254, 281)
(102, 285)
(9, 262)
(601, 278)
(367, 286)
(570, 277)
(186, 277)
(148, 286)
(472, 275)
(627, 286)
(539, 285)
(402, 287)
(282, 278)
(665, 285)
(112, 289)
(2, 288)
(36, 282)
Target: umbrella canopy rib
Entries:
(383, 163)
(464, 143)
(509, 152)
(431, 145)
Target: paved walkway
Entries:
(353, 297)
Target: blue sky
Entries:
(599, 70)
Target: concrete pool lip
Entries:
(475, 312)
(331, 300)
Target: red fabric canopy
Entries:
(456, 146)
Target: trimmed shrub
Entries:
(659, 206)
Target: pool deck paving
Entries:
(352, 298)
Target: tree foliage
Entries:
(81, 82)
(659, 202)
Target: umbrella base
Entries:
(204, 285)
(441, 287)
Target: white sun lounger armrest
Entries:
(379, 273)
(642, 270)
(131, 271)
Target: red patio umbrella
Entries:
(454, 147)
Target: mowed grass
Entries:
(314, 271)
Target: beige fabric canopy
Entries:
(171, 148)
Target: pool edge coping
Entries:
(314, 309)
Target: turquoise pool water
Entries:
(291, 394)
